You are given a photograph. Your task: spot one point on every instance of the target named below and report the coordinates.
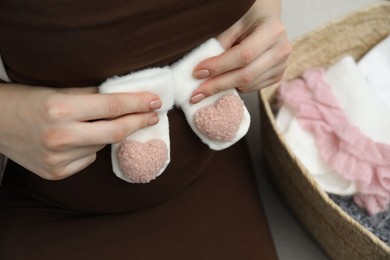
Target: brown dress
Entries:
(204, 206)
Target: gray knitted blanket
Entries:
(378, 224)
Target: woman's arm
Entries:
(257, 49)
(57, 132)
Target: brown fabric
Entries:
(72, 42)
(69, 42)
(217, 217)
(204, 205)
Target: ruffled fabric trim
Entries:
(342, 145)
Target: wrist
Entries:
(270, 8)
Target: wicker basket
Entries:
(337, 233)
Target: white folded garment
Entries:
(375, 67)
(303, 145)
(361, 105)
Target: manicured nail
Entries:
(201, 74)
(197, 98)
(153, 120)
(155, 104)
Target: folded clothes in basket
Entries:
(343, 134)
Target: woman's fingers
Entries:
(256, 51)
(57, 132)
(238, 56)
(89, 107)
(269, 64)
(73, 147)
(113, 131)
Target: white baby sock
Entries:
(219, 120)
(145, 154)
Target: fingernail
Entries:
(155, 104)
(153, 120)
(197, 98)
(201, 74)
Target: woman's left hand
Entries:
(257, 49)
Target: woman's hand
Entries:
(257, 49)
(57, 132)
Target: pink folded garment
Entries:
(341, 144)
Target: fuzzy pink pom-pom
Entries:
(222, 121)
(142, 162)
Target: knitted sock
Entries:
(219, 120)
(145, 154)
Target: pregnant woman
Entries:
(59, 197)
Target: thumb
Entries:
(231, 36)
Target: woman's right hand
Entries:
(56, 133)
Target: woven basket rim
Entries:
(267, 94)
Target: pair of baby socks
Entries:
(219, 120)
